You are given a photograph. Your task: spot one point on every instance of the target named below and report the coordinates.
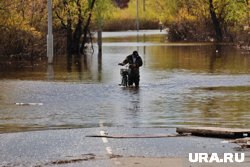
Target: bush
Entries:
(129, 24)
(190, 31)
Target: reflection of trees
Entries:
(222, 107)
(83, 66)
(179, 57)
(197, 58)
(99, 66)
(216, 53)
(69, 63)
(76, 63)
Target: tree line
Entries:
(23, 23)
(216, 20)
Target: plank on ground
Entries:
(215, 132)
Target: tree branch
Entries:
(61, 20)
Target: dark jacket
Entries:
(138, 63)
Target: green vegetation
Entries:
(150, 14)
(219, 20)
(23, 24)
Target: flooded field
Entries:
(195, 84)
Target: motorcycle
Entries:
(124, 72)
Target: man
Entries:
(134, 61)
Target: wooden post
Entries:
(99, 39)
(50, 35)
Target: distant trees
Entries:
(75, 16)
(151, 12)
(23, 23)
(227, 15)
(209, 19)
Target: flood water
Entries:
(194, 84)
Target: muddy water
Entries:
(197, 84)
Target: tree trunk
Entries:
(74, 38)
(215, 21)
(86, 27)
(78, 31)
(69, 35)
(77, 38)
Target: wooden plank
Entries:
(215, 132)
(139, 136)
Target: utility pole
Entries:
(137, 15)
(50, 34)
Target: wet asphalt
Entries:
(72, 147)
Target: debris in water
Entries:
(243, 142)
(29, 104)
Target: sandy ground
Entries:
(173, 162)
(147, 162)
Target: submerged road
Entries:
(46, 114)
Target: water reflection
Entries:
(99, 66)
(181, 84)
(198, 59)
(50, 72)
(222, 105)
(130, 107)
(78, 63)
(69, 63)
(134, 99)
(216, 54)
(135, 109)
